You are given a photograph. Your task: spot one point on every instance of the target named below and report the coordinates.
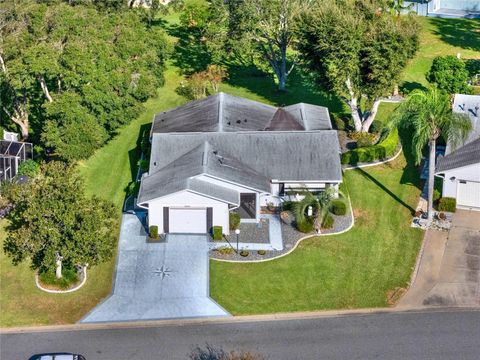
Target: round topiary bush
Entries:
(261, 252)
(234, 220)
(338, 207)
(244, 253)
(305, 226)
(328, 222)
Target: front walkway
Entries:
(449, 271)
(158, 280)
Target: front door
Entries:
(248, 206)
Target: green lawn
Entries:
(353, 270)
(440, 37)
(22, 304)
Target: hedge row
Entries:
(383, 150)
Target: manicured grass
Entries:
(22, 304)
(440, 37)
(353, 270)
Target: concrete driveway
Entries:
(449, 271)
(158, 280)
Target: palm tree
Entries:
(320, 207)
(429, 114)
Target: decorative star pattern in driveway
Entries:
(158, 280)
(162, 271)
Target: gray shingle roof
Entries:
(181, 173)
(279, 155)
(464, 156)
(227, 113)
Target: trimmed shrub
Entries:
(337, 122)
(328, 222)
(384, 149)
(225, 250)
(365, 139)
(305, 226)
(436, 195)
(69, 277)
(447, 204)
(261, 252)
(29, 168)
(244, 253)
(376, 127)
(154, 232)
(234, 220)
(217, 233)
(338, 207)
(287, 205)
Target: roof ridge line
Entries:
(220, 111)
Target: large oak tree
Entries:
(55, 225)
(56, 58)
(357, 50)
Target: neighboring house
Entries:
(446, 8)
(226, 153)
(12, 154)
(460, 168)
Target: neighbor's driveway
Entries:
(449, 271)
(158, 280)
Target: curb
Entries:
(229, 320)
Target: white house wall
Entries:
(187, 199)
(469, 173)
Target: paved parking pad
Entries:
(158, 280)
(449, 272)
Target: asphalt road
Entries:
(420, 335)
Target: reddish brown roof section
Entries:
(283, 121)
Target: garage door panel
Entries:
(468, 194)
(187, 220)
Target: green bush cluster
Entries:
(225, 250)
(385, 149)
(234, 220)
(447, 204)
(376, 127)
(305, 226)
(244, 253)
(338, 207)
(154, 232)
(29, 168)
(287, 205)
(217, 233)
(261, 252)
(328, 222)
(69, 277)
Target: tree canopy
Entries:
(70, 75)
(358, 51)
(53, 219)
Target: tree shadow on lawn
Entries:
(408, 86)
(464, 33)
(384, 188)
(189, 55)
(300, 88)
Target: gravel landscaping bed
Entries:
(290, 237)
(251, 233)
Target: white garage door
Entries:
(468, 194)
(187, 220)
